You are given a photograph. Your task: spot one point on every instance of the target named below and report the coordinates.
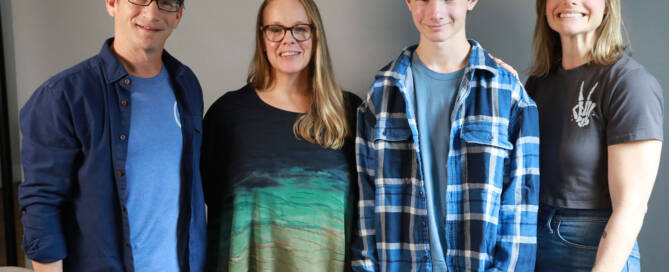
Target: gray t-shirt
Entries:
(581, 112)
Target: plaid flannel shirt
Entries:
(493, 174)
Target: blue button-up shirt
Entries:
(75, 128)
(493, 174)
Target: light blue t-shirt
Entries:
(435, 99)
(153, 169)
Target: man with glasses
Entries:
(111, 151)
(447, 153)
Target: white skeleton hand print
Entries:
(582, 111)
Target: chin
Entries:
(572, 32)
(146, 45)
(437, 38)
(292, 69)
(150, 48)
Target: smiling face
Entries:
(141, 28)
(575, 17)
(440, 20)
(287, 57)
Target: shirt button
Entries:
(127, 81)
(124, 103)
(119, 173)
(490, 138)
(424, 224)
(420, 193)
(425, 258)
(123, 209)
(122, 137)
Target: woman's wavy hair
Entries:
(547, 49)
(325, 124)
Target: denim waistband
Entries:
(545, 209)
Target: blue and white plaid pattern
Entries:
(493, 169)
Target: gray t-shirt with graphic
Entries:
(581, 112)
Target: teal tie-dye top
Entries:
(275, 203)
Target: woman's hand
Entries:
(505, 65)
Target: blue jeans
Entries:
(567, 240)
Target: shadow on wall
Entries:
(505, 30)
(375, 33)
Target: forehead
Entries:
(285, 12)
(444, 1)
(587, 2)
(420, 6)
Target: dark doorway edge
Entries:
(6, 162)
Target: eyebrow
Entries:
(295, 23)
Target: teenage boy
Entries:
(447, 153)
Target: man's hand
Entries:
(48, 267)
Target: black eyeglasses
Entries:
(165, 5)
(276, 33)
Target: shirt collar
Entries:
(113, 69)
(479, 59)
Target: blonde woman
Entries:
(600, 116)
(278, 157)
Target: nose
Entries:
(570, 2)
(288, 37)
(151, 10)
(436, 10)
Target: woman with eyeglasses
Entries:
(600, 115)
(278, 154)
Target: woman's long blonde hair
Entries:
(547, 49)
(325, 124)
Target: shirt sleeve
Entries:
(529, 86)
(516, 242)
(213, 154)
(635, 108)
(363, 246)
(50, 155)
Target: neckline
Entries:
(418, 64)
(267, 105)
(161, 75)
(575, 69)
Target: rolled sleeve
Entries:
(48, 154)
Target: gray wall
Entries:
(215, 38)
(649, 34)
